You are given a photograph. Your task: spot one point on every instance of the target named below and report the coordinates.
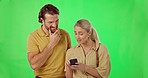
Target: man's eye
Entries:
(57, 20)
(81, 33)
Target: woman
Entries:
(92, 56)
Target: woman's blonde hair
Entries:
(85, 24)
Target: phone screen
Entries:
(73, 62)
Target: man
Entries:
(47, 45)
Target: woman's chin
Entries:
(79, 43)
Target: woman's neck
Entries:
(88, 45)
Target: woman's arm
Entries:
(69, 71)
(92, 71)
(85, 68)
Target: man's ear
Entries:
(42, 20)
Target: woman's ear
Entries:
(90, 32)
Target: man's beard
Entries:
(52, 30)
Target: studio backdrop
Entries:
(122, 26)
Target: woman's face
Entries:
(81, 35)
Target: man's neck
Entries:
(45, 30)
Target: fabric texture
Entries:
(54, 66)
(90, 60)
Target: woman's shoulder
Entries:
(102, 45)
(73, 48)
(103, 49)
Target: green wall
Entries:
(121, 25)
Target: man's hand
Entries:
(54, 37)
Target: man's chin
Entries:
(52, 31)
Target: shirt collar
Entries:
(41, 32)
(97, 44)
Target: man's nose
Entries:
(54, 25)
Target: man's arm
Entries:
(37, 59)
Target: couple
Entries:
(50, 52)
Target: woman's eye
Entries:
(75, 33)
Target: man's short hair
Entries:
(48, 8)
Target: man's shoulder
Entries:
(63, 31)
(34, 32)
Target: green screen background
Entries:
(121, 26)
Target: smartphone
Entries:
(73, 61)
